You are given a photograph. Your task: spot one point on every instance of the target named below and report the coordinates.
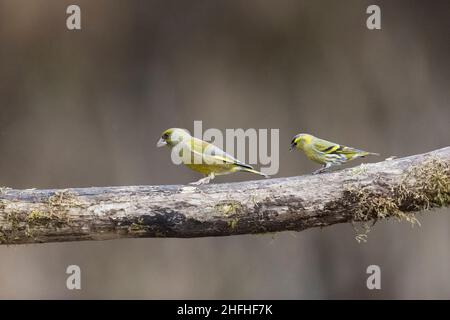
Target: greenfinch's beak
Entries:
(292, 147)
(161, 143)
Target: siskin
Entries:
(327, 153)
(202, 156)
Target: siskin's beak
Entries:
(161, 143)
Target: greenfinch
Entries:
(327, 153)
(202, 156)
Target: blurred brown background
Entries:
(85, 108)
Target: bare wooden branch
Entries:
(393, 188)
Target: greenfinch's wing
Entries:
(213, 154)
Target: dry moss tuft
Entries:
(422, 187)
(425, 186)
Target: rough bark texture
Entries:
(393, 188)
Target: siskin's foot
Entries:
(321, 170)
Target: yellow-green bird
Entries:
(201, 156)
(327, 153)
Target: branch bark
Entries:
(393, 188)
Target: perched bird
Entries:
(327, 153)
(202, 156)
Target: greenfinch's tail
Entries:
(254, 171)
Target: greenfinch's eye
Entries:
(165, 136)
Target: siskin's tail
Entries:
(256, 172)
(365, 153)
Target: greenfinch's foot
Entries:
(205, 180)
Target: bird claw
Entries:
(321, 170)
(200, 182)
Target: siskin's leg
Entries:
(323, 169)
(204, 180)
(319, 170)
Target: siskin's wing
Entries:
(328, 147)
(335, 153)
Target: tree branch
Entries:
(393, 188)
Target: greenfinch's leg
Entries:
(204, 180)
